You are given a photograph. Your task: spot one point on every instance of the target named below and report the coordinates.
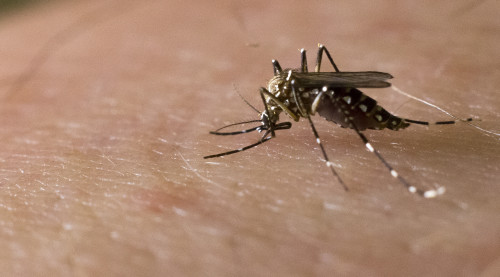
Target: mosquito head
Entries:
(268, 120)
(264, 118)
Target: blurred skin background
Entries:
(106, 107)
(11, 6)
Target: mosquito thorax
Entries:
(279, 86)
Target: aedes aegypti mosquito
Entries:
(336, 97)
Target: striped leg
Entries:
(437, 122)
(265, 137)
(325, 156)
(304, 113)
(425, 193)
(457, 119)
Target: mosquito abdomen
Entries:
(342, 105)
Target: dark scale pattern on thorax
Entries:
(282, 90)
(341, 104)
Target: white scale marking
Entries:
(370, 147)
(394, 173)
(430, 194)
(433, 193)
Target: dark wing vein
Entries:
(364, 79)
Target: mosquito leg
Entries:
(265, 93)
(277, 68)
(234, 124)
(425, 193)
(298, 100)
(304, 113)
(279, 126)
(315, 103)
(303, 60)
(325, 156)
(437, 122)
(264, 139)
(234, 133)
(321, 49)
(484, 131)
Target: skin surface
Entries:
(105, 113)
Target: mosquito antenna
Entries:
(466, 121)
(243, 98)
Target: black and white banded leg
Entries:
(325, 156)
(304, 113)
(437, 122)
(424, 193)
(265, 137)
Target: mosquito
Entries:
(336, 97)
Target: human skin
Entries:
(105, 114)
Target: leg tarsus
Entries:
(237, 150)
(321, 49)
(419, 122)
(424, 193)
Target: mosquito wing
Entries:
(363, 79)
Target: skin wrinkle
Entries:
(60, 39)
